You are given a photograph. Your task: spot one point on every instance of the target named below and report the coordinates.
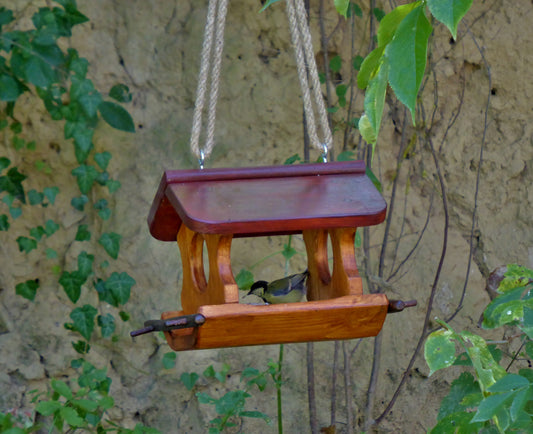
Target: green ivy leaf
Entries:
(37, 232)
(120, 93)
(4, 163)
(12, 183)
(449, 12)
(439, 350)
(335, 64)
(117, 289)
(111, 243)
(85, 264)
(105, 213)
(378, 13)
(85, 176)
(38, 71)
(71, 283)
(26, 244)
(72, 417)
(6, 16)
(10, 89)
(62, 388)
(204, 398)
(51, 193)
(292, 159)
(100, 204)
(83, 91)
(288, 252)
(244, 279)
(79, 202)
(124, 316)
(102, 159)
(113, 185)
(354, 9)
(116, 116)
(51, 253)
(107, 324)
(169, 360)
(189, 379)
(81, 347)
(407, 54)
(83, 143)
(27, 289)
(83, 318)
(83, 233)
(4, 222)
(47, 408)
(50, 227)
(357, 61)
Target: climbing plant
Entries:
(489, 395)
(33, 63)
(36, 66)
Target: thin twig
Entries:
(478, 179)
(311, 399)
(334, 384)
(347, 389)
(392, 201)
(433, 287)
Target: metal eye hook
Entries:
(324, 153)
(201, 160)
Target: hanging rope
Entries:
(305, 58)
(212, 48)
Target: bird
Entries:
(290, 289)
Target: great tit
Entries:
(290, 289)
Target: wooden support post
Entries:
(345, 279)
(196, 290)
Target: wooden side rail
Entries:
(234, 325)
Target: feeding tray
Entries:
(212, 206)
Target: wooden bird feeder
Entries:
(213, 206)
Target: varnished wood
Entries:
(220, 287)
(344, 279)
(210, 207)
(262, 201)
(347, 317)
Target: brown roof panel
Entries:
(257, 201)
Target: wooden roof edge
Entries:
(279, 171)
(163, 218)
(164, 221)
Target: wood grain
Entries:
(260, 201)
(234, 325)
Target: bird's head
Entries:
(258, 289)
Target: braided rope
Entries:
(212, 49)
(214, 31)
(305, 58)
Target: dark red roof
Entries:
(270, 200)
